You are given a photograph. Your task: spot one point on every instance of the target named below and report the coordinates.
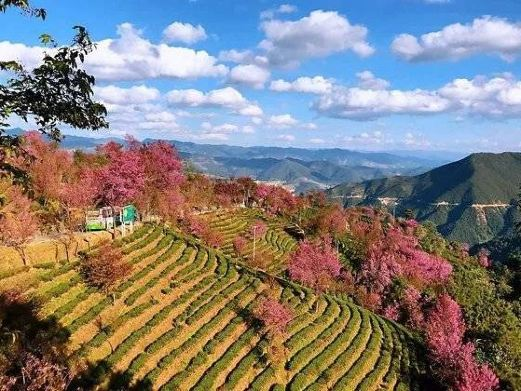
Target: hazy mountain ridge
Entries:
(471, 200)
(303, 169)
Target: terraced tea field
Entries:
(181, 322)
(276, 243)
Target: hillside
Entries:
(470, 200)
(180, 321)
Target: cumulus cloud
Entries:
(237, 56)
(365, 139)
(282, 121)
(250, 75)
(497, 97)
(313, 85)
(282, 9)
(317, 141)
(221, 132)
(228, 98)
(184, 32)
(320, 34)
(130, 57)
(488, 35)
(285, 137)
(125, 96)
(364, 104)
(369, 81)
(285, 121)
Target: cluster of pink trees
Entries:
(258, 228)
(17, 222)
(275, 200)
(274, 315)
(315, 264)
(239, 245)
(453, 357)
(201, 228)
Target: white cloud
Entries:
(124, 96)
(497, 97)
(313, 85)
(364, 104)
(317, 141)
(130, 57)
(184, 32)
(285, 137)
(368, 139)
(251, 75)
(282, 9)
(320, 34)
(237, 56)
(247, 129)
(221, 132)
(228, 98)
(488, 35)
(369, 81)
(416, 141)
(282, 121)
(29, 56)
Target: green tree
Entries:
(57, 92)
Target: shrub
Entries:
(104, 268)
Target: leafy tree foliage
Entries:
(17, 222)
(273, 315)
(239, 245)
(104, 268)
(58, 91)
(259, 229)
(454, 359)
(315, 264)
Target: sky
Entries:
(442, 75)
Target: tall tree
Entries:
(58, 91)
(17, 222)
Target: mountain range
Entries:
(471, 200)
(299, 168)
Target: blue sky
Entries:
(367, 75)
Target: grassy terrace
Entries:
(180, 321)
(276, 242)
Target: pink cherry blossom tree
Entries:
(18, 224)
(453, 358)
(315, 264)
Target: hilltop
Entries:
(471, 200)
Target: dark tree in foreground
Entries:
(58, 91)
(105, 267)
(32, 351)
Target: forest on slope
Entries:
(472, 200)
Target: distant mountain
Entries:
(342, 157)
(303, 169)
(471, 200)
